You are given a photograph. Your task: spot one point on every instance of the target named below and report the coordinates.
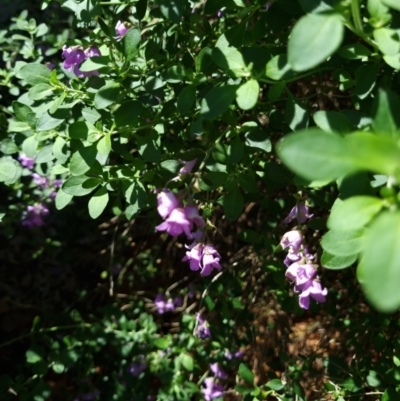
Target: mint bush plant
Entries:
(188, 115)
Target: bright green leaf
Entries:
(98, 203)
(34, 73)
(336, 262)
(313, 39)
(342, 243)
(247, 94)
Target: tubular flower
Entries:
(176, 224)
(33, 216)
(300, 211)
(167, 202)
(75, 55)
(26, 161)
(212, 389)
(203, 257)
(202, 327)
(120, 30)
(218, 372)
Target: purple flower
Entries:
(40, 181)
(194, 257)
(33, 216)
(218, 372)
(120, 30)
(202, 328)
(167, 202)
(211, 260)
(292, 239)
(204, 257)
(163, 305)
(188, 167)
(176, 224)
(136, 368)
(314, 290)
(212, 389)
(301, 273)
(301, 211)
(219, 13)
(73, 56)
(178, 302)
(26, 161)
(192, 214)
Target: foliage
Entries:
(203, 111)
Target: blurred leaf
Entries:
(342, 243)
(130, 43)
(10, 170)
(378, 271)
(313, 39)
(336, 262)
(354, 213)
(246, 374)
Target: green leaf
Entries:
(258, 138)
(354, 51)
(34, 73)
(247, 94)
(235, 150)
(336, 262)
(386, 119)
(230, 59)
(62, 199)
(106, 95)
(98, 203)
(186, 99)
(317, 155)
(332, 121)
(217, 101)
(40, 91)
(387, 41)
(296, 115)
(21, 111)
(366, 79)
(130, 43)
(354, 213)
(82, 160)
(187, 362)
(275, 91)
(35, 354)
(10, 170)
(128, 113)
(57, 103)
(374, 153)
(392, 4)
(342, 243)
(246, 374)
(104, 145)
(80, 185)
(148, 149)
(232, 203)
(60, 149)
(379, 271)
(47, 122)
(275, 384)
(313, 39)
(278, 68)
(45, 155)
(95, 63)
(177, 73)
(172, 9)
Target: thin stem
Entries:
(355, 10)
(50, 329)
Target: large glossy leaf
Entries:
(316, 155)
(379, 269)
(314, 38)
(342, 243)
(354, 213)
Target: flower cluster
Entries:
(186, 220)
(212, 388)
(74, 56)
(300, 268)
(202, 328)
(166, 305)
(33, 215)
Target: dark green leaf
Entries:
(82, 160)
(80, 185)
(246, 374)
(130, 43)
(107, 95)
(217, 101)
